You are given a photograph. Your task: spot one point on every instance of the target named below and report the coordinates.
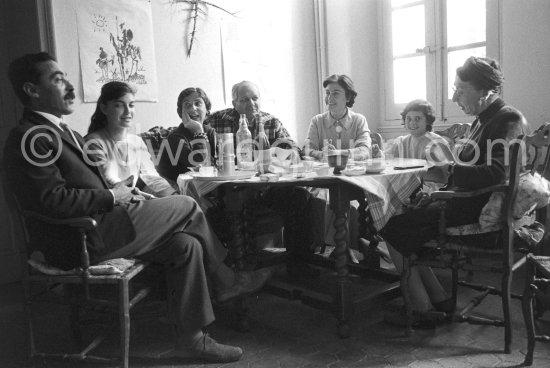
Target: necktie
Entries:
(67, 129)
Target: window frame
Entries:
(436, 62)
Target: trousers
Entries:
(173, 231)
(409, 231)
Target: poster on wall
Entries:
(115, 41)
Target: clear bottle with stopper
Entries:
(264, 152)
(244, 144)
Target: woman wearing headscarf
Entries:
(480, 163)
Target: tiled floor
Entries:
(287, 333)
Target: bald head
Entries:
(246, 99)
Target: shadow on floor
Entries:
(283, 333)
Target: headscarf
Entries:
(484, 73)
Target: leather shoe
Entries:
(245, 283)
(209, 350)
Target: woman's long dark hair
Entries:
(109, 92)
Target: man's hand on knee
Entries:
(124, 193)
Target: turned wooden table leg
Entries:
(340, 205)
(233, 210)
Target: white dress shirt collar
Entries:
(51, 118)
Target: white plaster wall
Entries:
(526, 57)
(352, 44)
(352, 29)
(293, 87)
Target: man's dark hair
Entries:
(25, 69)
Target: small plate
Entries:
(354, 172)
(238, 175)
(374, 170)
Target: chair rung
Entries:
(91, 358)
(543, 338)
(476, 320)
(140, 295)
(479, 287)
(479, 268)
(91, 346)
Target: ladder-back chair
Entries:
(460, 248)
(454, 133)
(76, 285)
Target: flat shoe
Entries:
(209, 350)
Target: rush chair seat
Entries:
(461, 248)
(538, 280)
(78, 286)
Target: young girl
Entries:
(418, 118)
(117, 152)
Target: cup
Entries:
(308, 165)
(206, 170)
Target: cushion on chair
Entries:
(115, 266)
(533, 192)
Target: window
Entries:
(424, 42)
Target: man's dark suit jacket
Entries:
(61, 188)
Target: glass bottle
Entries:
(264, 152)
(244, 144)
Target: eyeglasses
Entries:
(457, 92)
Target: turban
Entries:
(482, 72)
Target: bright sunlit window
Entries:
(464, 38)
(425, 41)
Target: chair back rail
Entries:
(527, 153)
(454, 133)
(82, 278)
(376, 138)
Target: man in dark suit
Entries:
(51, 174)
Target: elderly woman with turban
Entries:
(480, 163)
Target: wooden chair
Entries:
(459, 248)
(537, 280)
(454, 133)
(376, 139)
(76, 287)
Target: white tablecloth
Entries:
(385, 192)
